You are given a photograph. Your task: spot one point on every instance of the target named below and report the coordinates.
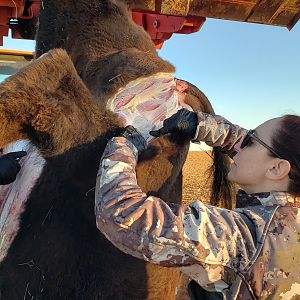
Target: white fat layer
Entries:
(152, 99)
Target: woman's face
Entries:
(251, 163)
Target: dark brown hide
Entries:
(109, 50)
(197, 99)
(58, 252)
(57, 112)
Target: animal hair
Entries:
(56, 112)
(59, 103)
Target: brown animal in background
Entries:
(57, 252)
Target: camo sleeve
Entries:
(166, 234)
(217, 131)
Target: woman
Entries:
(251, 252)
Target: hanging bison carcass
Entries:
(67, 104)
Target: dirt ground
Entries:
(196, 183)
(196, 180)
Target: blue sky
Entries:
(249, 72)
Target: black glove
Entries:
(184, 122)
(134, 136)
(9, 166)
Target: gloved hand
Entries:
(9, 166)
(184, 122)
(134, 136)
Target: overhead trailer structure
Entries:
(162, 18)
(13, 60)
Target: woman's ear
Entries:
(279, 169)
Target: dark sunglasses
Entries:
(250, 135)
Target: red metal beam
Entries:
(9, 10)
(162, 18)
(161, 27)
(16, 9)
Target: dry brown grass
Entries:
(196, 180)
(196, 184)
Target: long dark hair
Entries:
(221, 188)
(286, 141)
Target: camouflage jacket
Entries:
(251, 252)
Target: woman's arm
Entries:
(150, 229)
(217, 131)
(202, 127)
